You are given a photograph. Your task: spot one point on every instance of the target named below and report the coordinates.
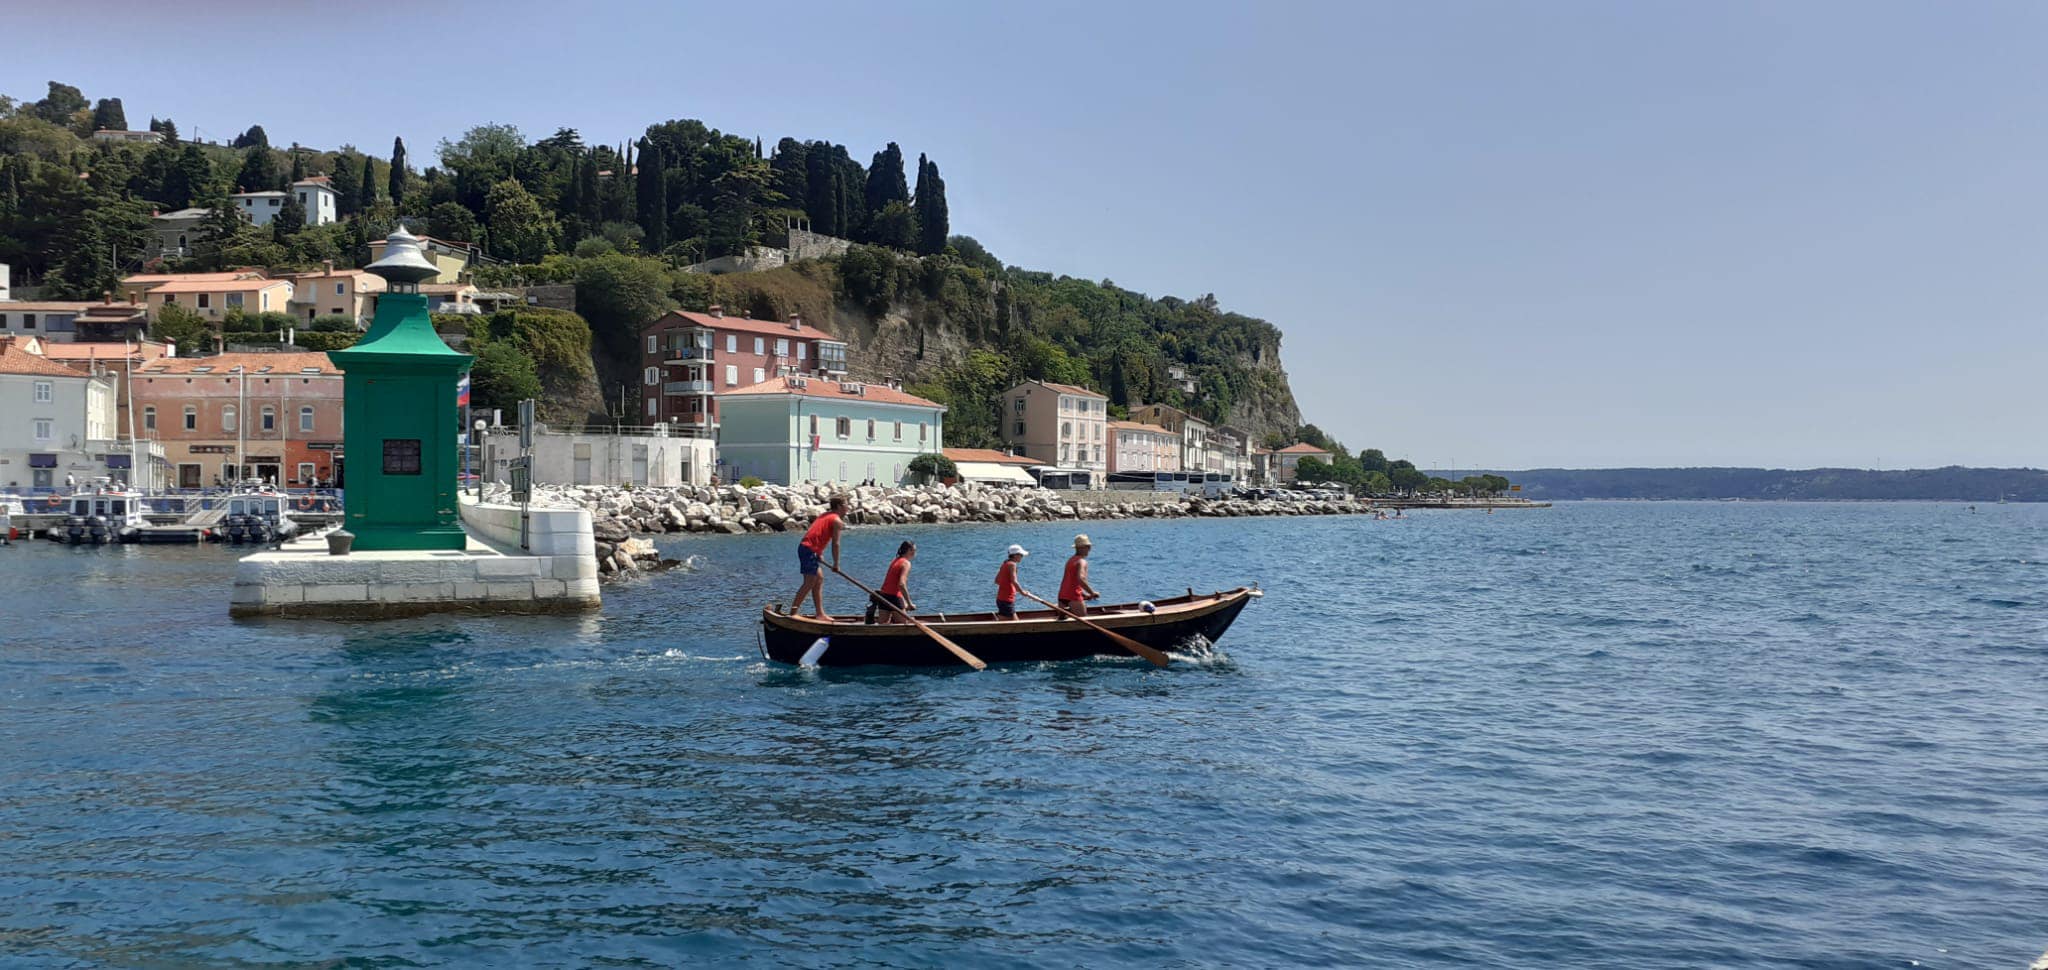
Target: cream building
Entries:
(1058, 424)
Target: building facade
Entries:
(808, 429)
(1058, 424)
(212, 299)
(134, 289)
(632, 456)
(177, 233)
(56, 423)
(277, 417)
(690, 359)
(1137, 447)
(1286, 462)
(349, 293)
(319, 199)
(1228, 451)
(1193, 432)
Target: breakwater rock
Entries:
(620, 515)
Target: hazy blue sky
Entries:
(1505, 234)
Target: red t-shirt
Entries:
(1070, 584)
(1006, 583)
(820, 533)
(892, 584)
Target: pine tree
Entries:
(254, 136)
(290, 218)
(108, 116)
(170, 130)
(397, 187)
(933, 224)
(885, 180)
(298, 166)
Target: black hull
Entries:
(1035, 637)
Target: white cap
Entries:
(1018, 551)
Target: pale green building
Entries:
(807, 429)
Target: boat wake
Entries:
(1197, 650)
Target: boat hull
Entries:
(1034, 637)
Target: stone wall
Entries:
(805, 244)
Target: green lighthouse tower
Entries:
(399, 415)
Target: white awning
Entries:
(988, 472)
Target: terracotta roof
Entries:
(189, 277)
(147, 349)
(1303, 448)
(40, 306)
(1071, 389)
(259, 365)
(16, 360)
(741, 324)
(989, 455)
(818, 387)
(216, 286)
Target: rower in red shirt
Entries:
(1074, 589)
(896, 586)
(1006, 584)
(825, 530)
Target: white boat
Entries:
(256, 513)
(102, 513)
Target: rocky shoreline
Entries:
(620, 516)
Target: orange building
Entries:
(271, 416)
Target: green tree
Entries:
(333, 323)
(290, 218)
(254, 137)
(894, 226)
(259, 171)
(450, 220)
(482, 158)
(619, 295)
(885, 184)
(933, 223)
(396, 190)
(653, 196)
(346, 184)
(96, 245)
(189, 179)
(502, 376)
(169, 129)
(1313, 470)
(60, 105)
(108, 115)
(520, 231)
(182, 327)
(366, 187)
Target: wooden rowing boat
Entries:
(1035, 635)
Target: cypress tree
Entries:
(345, 187)
(933, 224)
(819, 204)
(107, 114)
(885, 180)
(589, 207)
(298, 165)
(397, 188)
(653, 196)
(366, 187)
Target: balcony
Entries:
(689, 355)
(689, 387)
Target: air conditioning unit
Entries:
(849, 387)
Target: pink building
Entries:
(1058, 424)
(1137, 447)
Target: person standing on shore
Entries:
(1006, 583)
(896, 586)
(825, 530)
(1074, 589)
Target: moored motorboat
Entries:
(1036, 635)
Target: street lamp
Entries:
(475, 442)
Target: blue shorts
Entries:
(806, 561)
(1006, 608)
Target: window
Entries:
(871, 432)
(28, 321)
(842, 467)
(1063, 453)
(844, 427)
(899, 431)
(1066, 405)
(920, 431)
(205, 300)
(306, 418)
(651, 377)
(801, 350)
(149, 419)
(652, 407)
(269, 418)
(814, 424)
(340, 289)
(1020, 429)
(306, 473)
(782, 347)
(732, 375)
(227, 471)
(45, 429)
(170, 298)
(227, 418)
(42, 392)
(1066, 429)
(759, 375)
(302, 198)
(234, 300)
(401, 456)
(1020, 405)
(732, 343)
(274, 203)
(653, 344)
(191, 418)
(760, 345)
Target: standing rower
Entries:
(1006, 583)
(1074, 589)
(825, 530)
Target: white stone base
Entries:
(300, 578)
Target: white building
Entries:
(56, 422)
(315, 194)
(6, 286)
(638, 456)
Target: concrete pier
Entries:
(491, 574)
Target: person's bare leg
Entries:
(818, 597)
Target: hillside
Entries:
(622, 223)
(1953, 483)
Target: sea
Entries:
(1636, 735)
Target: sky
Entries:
(1500, 235)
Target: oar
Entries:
(1158, 658)
(958, 651)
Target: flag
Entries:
(462, 392)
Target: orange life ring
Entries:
(306, 503)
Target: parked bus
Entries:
(1064, 479)
(1150, 481)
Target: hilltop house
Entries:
(177, 232)
(350, 293)
(316, 195)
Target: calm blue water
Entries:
(1661, 735)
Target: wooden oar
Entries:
(958, 651)
(1158, 658)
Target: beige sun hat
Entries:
(1082, 540)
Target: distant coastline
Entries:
(1950, 484)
